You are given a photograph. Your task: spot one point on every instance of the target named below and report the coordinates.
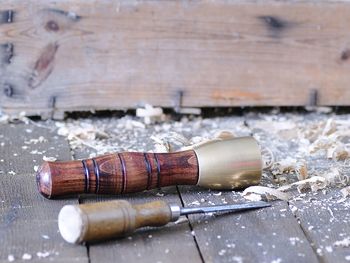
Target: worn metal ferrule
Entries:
(229, 164)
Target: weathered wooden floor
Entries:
(281, 233)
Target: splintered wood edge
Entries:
(71, 224)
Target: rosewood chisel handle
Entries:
(218, 164)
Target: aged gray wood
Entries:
(322, 217)
(325, 221)
(261, 235)
(28, 222)
(255, 236)
(164, 244)
(61, 56)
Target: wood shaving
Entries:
(345, 191)
(224, 135)
(27, 256)
(41, 139)
(314, 183)
(284, 166)
(85, 131)
(150, 114)
(43, 254)
(257, 193)
(268, 158)
(343, 243)
(49, 159)
(194, 203)
(302, 172)
(339, 153)
(181, 220)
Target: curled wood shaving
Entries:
(161, 146)
(285, 166)
(302, 172)
(314, 183)
(268, 158)
(84, 133)
(345, 191)
(329, 139)
(224, 135)
(257, 193)
(335, 177)
(338, 153)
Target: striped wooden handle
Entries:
(118, 173)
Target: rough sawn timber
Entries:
(58, 56)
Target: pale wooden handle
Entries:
(106, 220)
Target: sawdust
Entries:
(284, 168)
(49, 158)
(343, 243)
(26, 256)
(258, 193)
(314, 183)
(320, 139)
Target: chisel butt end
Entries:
(71, 224)
(44, 180)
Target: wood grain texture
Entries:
(325, 221)
(161, 244)
(80, 55)
(322, 216)
(261, 235)
(119, 173)
(28, 222)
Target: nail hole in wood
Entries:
(8, 90)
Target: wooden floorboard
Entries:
(308, 228)
(264, 235)
(322, 217)
(28, 222)
(325, 222)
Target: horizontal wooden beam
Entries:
(58, 56)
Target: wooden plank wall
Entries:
(70, 55)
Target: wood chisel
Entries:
(106, 220)
(217, 164)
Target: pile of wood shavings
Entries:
(130, 133)
(316, 155)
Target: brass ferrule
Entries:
(229, 164)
